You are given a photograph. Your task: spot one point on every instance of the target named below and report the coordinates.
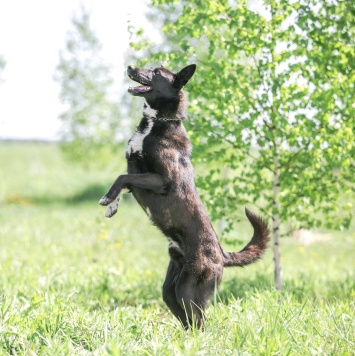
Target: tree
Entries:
(272, 101)
(91, 121)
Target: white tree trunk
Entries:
(276, 225)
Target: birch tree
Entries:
(273, 101)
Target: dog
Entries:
(161, 178)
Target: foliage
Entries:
(272, 104)
(91, 122)
(280, 79)
(75, 283)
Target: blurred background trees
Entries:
(92, 120)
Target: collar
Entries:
(152, 115)
(164, 119)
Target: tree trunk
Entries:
(276, 224)
(222, 221)
(277, 167)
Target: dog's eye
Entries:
(156, 71)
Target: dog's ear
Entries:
(184, 76)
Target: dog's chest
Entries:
(135, 144)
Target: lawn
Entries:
(75, 283)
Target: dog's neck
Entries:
(171, 111)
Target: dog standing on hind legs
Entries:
(160, 176)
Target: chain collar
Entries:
(164, 119)
(152, 114)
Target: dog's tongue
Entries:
(142, 88)
(139, 89)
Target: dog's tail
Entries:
(255, 248)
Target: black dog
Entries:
(161, 178)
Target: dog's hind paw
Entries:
(111, 209)
(105, 200)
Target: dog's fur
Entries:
(161, 178)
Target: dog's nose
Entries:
(130, 67)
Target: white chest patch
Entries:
(135, 144)
(149, 112)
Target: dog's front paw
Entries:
(105, 200)
(111, 209)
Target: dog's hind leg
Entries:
(169, 294)
(190, 301)
(193, 293)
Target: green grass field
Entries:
(75, 283)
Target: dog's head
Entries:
(159, 83)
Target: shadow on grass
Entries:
(305, 286)
(111, 291)
(240, 287)
(91, 193)
(147, 292)
(108, 294)
(302, 287)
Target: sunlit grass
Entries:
(73, 282)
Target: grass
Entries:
(75, 283)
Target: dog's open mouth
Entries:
(140, 89)
(141, 76)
